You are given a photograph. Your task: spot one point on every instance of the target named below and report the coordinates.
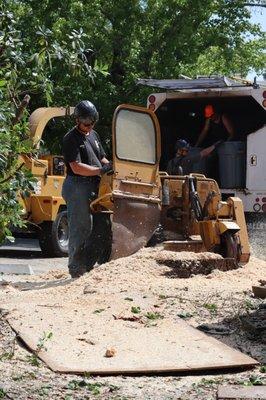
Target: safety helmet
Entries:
(181, 144)
(208, 111)
(86, 112)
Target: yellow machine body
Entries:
(49, 170)
(45, 209)
(136, 195)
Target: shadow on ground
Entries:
(245, 332)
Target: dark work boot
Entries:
(76, 272)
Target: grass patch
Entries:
(44, 390)
(6, 356)
(33, 360)
(254, 380)
(93, 388)
(27, 375)
(211, 307)
(153, 316)
(185, 315)
(250, 305)
(100, 310)
(135, 310)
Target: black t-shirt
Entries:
(79, 147)
(186, 162)
(217, 131)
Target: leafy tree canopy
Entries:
(60, 52)
(22, 72)
(133, 39)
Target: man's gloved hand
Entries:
(217, 144)
(107, 169)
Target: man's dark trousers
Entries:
(78, 192)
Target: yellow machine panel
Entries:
(45, 209)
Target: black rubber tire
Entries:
(54, 236)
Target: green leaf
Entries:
(153, 315)
(98, 311)
(135, 310)
(2, 393)
(211, 307)
(10, 238)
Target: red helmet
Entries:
(208, 111)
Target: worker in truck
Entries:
(217, 127)
(182, 163)
(85, 162)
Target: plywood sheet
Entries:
(81, 335)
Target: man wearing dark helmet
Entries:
(85, 161)
(182, 163)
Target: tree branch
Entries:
(12, 175)
(20, 110)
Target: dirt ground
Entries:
(221, 303)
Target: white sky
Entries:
(258, 15)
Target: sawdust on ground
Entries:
(219, 298)
(150, 270)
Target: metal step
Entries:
(196, 246)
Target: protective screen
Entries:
(135, 137)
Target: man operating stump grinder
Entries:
(85, 161)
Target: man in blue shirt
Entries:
(182, 163)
